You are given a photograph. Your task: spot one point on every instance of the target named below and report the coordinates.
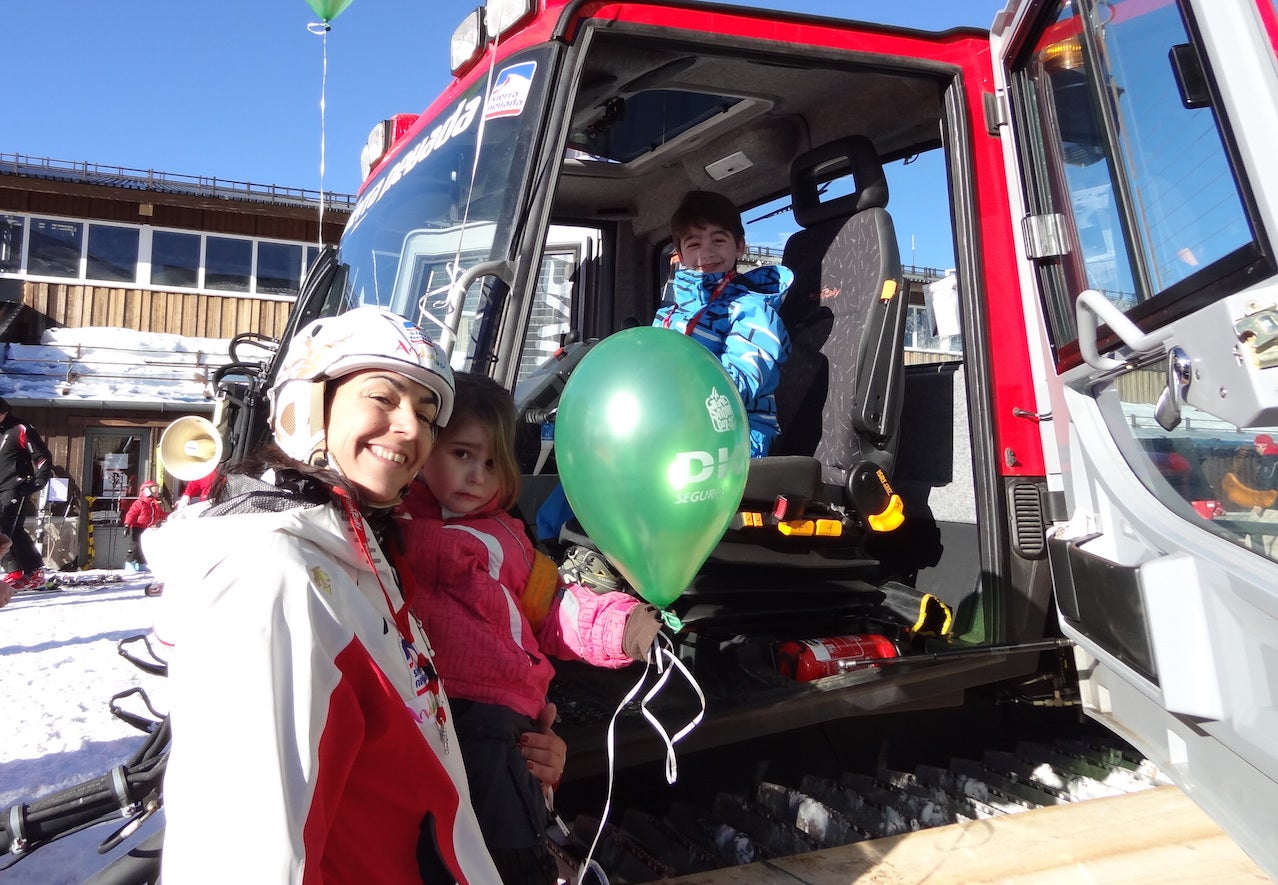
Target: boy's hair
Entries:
(487, 402)
(704, 208)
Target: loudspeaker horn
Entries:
(190, 447)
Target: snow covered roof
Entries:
(112, 367)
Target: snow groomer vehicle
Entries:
(1036, 471)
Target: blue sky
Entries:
(232, 89)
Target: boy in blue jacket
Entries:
(732, 313)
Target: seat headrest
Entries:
(854, 155)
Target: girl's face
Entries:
(710, 249)
(461, 472)
(381, 427)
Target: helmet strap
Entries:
(317, 418)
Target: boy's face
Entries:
(710, 249)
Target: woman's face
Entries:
(381, 427)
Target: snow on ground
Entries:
(59, 667)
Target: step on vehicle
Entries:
(1041, 471)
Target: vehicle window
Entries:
(1122, 144)
(621, 130)
(1151, 206)
(568, 252)
(444, 205)
(1207, 470)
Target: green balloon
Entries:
(328, 10)
(653, 446)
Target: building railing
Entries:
(769, 255)
(149, 179)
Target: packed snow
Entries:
(59, 667)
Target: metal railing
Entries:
(149, 179)
(769, 255)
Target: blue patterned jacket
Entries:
(742, 328)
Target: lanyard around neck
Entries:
(424, 669)
(696, 317)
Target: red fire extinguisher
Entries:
(804, 660)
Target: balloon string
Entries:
(662, 654)
(322, 28)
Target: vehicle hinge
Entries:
(1044, 235)
(996, 114)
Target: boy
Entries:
(733, 314)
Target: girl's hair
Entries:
(485, 401)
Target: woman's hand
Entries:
(545, 751)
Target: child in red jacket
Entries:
(148, 510)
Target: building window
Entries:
(99, 252)
(113, 253)
(279, 268)
(175, 259)
(55, 248)
(228, 264)
(11, 230)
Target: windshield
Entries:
(445, 204)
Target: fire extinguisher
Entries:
(804, 660)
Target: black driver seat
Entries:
(839, 399)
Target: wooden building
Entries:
(188, 258)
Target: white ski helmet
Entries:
(331, 347)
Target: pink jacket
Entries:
(471, 573)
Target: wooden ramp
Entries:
(1156, 836)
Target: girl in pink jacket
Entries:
(494, 610)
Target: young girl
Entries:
(494, 610)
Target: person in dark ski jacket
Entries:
(25, 468)
(6, 592)
(732, 313)
(304, 690)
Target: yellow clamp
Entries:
(890, 518)
(825, 528)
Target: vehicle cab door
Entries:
(1140, 137)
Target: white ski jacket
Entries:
(309, 745)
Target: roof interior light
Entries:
(467, 40)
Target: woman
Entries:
(311, 739)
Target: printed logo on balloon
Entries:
(653, 449)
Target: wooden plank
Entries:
(1153, 837)
(115, 302)
(174, 320)
(133, 309)
(75, 306)
(190, 307)
(101, 306)
(159, 309)
(230, 321)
